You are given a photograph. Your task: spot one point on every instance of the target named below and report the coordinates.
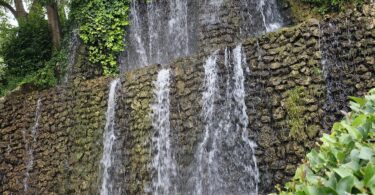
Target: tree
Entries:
(19, 12)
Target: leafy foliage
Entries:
(345, 161)
(102, 29)
(324, 6)
(25, 51)
(27, 47)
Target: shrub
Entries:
(345, 160)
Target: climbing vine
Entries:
(102, 28)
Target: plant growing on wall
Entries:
(324, 6)
(345, 160)
(102, 29)
(295, 107)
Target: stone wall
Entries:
(311, 67)
(67, 143)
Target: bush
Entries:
(345, 160)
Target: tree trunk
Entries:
(54, 23)
(20, 9)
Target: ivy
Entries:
(102, 28)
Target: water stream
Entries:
(259, 16)
(109, 139)
(73, 51)
(163, 163)
(225, 158)
(160, 32)
(206, 176)
(29, 145)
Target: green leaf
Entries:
(359, 120)
(352, 131)
(366, 153)
(360, 101)
(369, 175)
(343, 172)
(345, 185)
(332, 181)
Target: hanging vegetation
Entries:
(102, 29)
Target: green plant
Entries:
(295, 108)
(102, 29)
(345, 160)
(324, 6)
(27, 47)
(25, 51)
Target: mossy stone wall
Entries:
(312, 64)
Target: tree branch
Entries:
(9, 7)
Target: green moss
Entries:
(302, 11)
(295, 107)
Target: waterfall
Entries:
(136, 38)
(333, 69)
(108, 141)
(259, 16)
(206, 173)
(73, 51)
(225, 158)
(29, 145)
(246, 155)
(211, 11)
(178, 27)
(161, 35)
(163, 162)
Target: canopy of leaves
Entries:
(345, 161)
(24, 50)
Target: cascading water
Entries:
(161, 36)
(163, 162)
(211, 11)
(29, 145)
(245, 156)
(73, 51)
(333, 69)
(136, 40)
(259, 16)
(178, 27)
(206, 176)
(109, 139)
(225, 158)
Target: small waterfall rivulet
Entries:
(163, 163)
(225, 158)
(334, 71)
(29, 145)
(259, 16)
(160, 31)
(109, 139)
(206, 173)
(73, 51)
